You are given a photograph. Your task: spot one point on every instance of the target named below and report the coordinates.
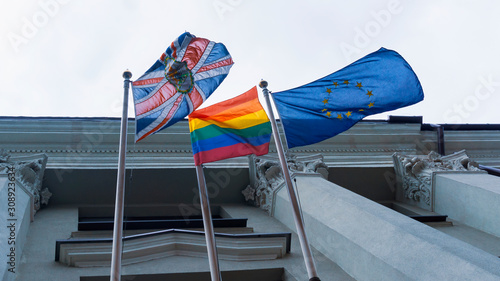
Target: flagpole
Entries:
(304, 244)
(207, 224)
(116, 253)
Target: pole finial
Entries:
(127, 74)
(263, 83)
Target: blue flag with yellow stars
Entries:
(378, 82)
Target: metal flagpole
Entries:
(116, 253)
(304, 244)
(207, 224)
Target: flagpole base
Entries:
(314, 279)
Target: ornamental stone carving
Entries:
(29, 172)
(414, 174)
(266, 177)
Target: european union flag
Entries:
(378, 82)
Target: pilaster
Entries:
(416, 175)
(266, 177)
(21, 195)
(28, 172)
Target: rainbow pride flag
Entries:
(232, 128)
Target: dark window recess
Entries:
(432, 218)
(131, 223)
(264, 274)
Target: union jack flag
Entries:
(185, 75)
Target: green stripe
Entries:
(213, 130)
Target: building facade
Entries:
(379, 202)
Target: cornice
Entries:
(83, 143)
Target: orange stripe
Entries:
(229, 61)
(243, 104)
(194, 51)
(148, 81)
(235, 112)
(162, 95)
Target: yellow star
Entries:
(325, 101)
(358, 84)
(346, 82)
(348, 114)
(323, 110)
(328, 90)
(329, 113)
(369, 93)
(339, 116)
(335, 84)
(361, 110)
(370, 104)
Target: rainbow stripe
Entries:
(232, 128)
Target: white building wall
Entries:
(473, 199)
(15, 218)
(372, 242)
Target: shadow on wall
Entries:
(377, 184)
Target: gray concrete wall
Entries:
(372, 242)
(382, 181)
(15, 218)
(58, 222)
(473, 199)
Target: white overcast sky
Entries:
(66, 58)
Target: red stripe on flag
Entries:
(161, 96)
(166, 119)
(235, 150)
(194, 51)
(196, 98)
(172, 46)
(163, 56)
(148, 81)
(229, 61)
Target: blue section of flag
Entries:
(143, 92)
(218, 52)
(378, 82)
(209, 85)
(144, 122)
